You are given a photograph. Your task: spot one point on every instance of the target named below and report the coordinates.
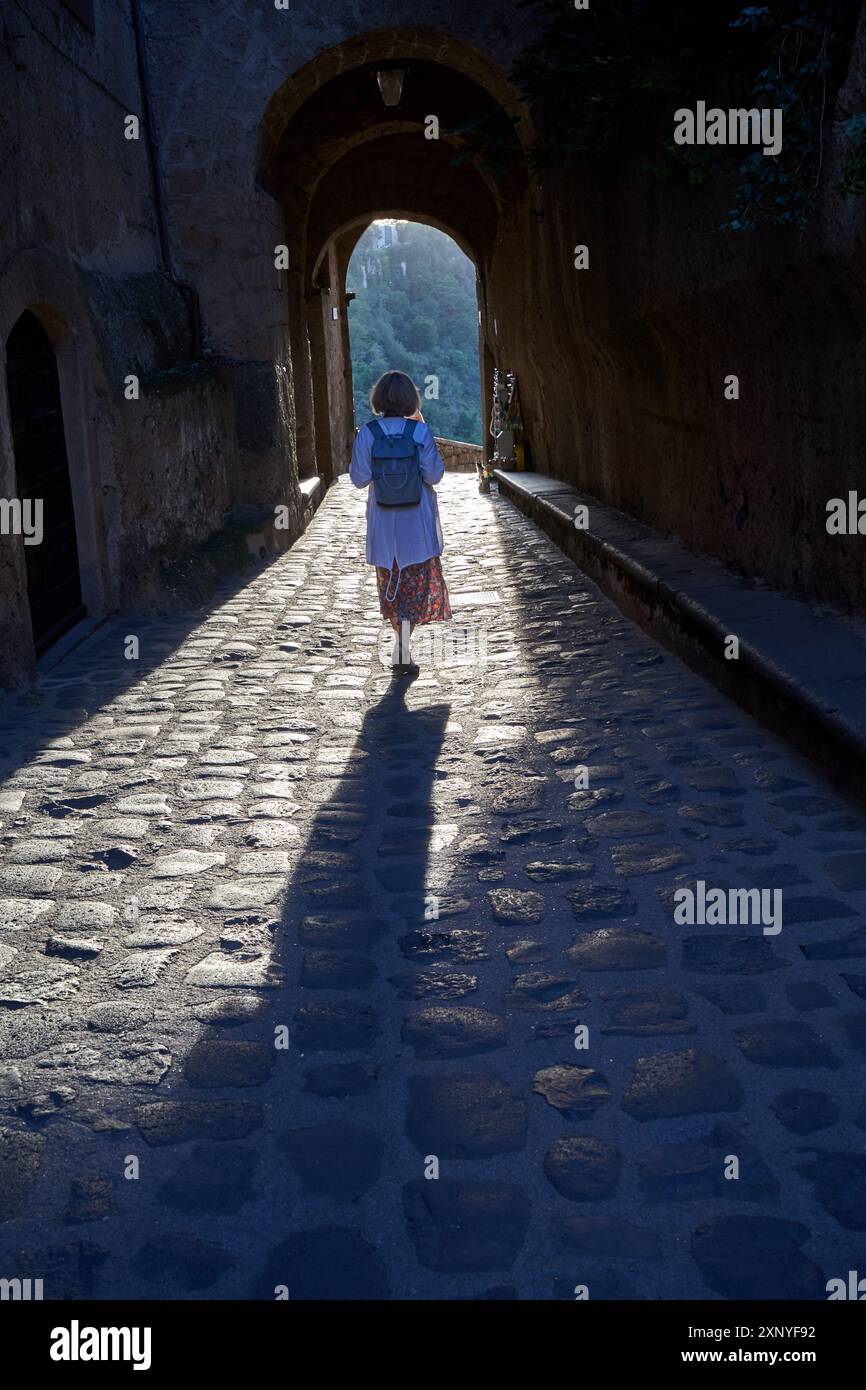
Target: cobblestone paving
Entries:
(277, 936)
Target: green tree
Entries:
(416, 311)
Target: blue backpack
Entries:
(396, 466)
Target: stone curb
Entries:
(785, 676)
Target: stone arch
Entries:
(435, 193)
(43, 493)
(335, 157)
(379, 46)
(333, 377)
(359, 224)
(33, 281)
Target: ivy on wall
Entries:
(853, 180)
(606, 83)
(802, 40)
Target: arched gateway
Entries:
(43, 484)
(386, 124)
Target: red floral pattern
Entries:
(422, 596)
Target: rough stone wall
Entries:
(622, 366)
(79, 200)
(223, 92)
(329, 341)
(458, 455)
(79, 247)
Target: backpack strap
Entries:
(378, 432)
(409, 428)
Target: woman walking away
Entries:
(395, 455)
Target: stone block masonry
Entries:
(156, 257)
(379, 1003)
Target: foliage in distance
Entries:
(416, 311)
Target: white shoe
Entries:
(401, 652)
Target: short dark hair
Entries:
(395, 393)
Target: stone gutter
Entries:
(801, 668)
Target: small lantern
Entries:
(390, 81)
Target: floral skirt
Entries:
(422, 596)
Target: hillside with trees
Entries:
(416, 311)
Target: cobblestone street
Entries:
(321, 983)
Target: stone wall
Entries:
(80, 242)
(458, 455)
(237, 188)
(622, 367)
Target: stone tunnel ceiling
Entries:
(373, 179)
(428, 54)
(344, 156)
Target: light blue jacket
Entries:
(407, 535)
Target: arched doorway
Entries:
(42, 476)
(337, 151)
(414, 305)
